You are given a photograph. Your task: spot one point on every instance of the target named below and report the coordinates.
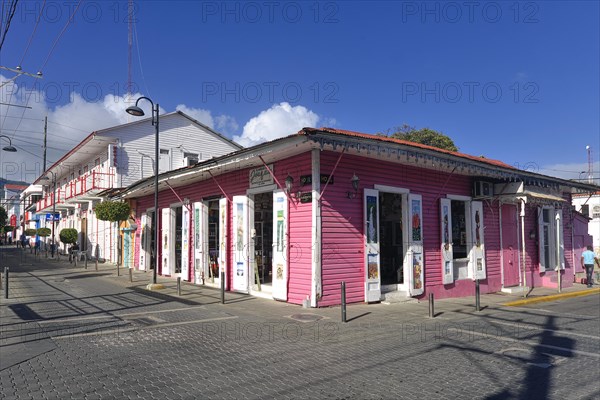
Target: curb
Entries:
(552, 297)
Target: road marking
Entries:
(545, 329)
(119, 331)
(77, 318)
(554, 313)
(532, 344)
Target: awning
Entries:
(535, 195)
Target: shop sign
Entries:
(305, 197)
(307, 179)
(261, 176)
(56, 217)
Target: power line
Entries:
(11, 14)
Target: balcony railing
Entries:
(90, 183)
(46, 201)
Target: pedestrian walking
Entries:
(588, 259)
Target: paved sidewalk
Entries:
(193, 294)
(72, 332)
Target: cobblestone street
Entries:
(80, 333)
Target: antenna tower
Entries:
(130, 43)
(590, 164)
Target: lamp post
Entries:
(11, 149)
(52, 246)
(138, 112)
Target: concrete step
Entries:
(514, 289)
(396, 297)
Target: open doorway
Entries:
(213, 229)
(262, 276)
(391, 240)
(178, 239)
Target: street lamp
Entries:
(138, 112)
(52, 246)
(10, 147)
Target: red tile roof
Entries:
(12, 186)
(406, 143)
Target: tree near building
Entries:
(68, 235)
(3, 217)
(44, 232)
(30, 232)
(425, 136)
(113, 211)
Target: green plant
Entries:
(112, 211)
(68, 235)
(44, 232)
(30, 232)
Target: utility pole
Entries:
(45, 136)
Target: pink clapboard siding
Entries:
(342, 225)
(236, 183)
(300, 227)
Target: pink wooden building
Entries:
(292, 218)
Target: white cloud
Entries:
(70, 123)
(224, 124)
(278, 121)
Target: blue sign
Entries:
(56, 217)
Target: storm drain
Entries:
(531, 357)
(306, 317)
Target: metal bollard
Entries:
(223, 287)
(431, 310)
(343, 301)
(130, 274)
(178, 286)
(477, 305)
(6, 282)
(118, 270)
(85, 260)
(96, 263)
(75, 258)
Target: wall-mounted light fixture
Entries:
(289, 184)
(532, 234)
(354, 181)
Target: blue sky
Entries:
(515, 81)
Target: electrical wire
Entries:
(48, 57)
(11, 14)
(60, 36)
(33, 33)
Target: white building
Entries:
(113, 158)
(10, 200)
(589, 205)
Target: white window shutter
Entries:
(371, 234)
(446, 241)
(560, 241)
(541, 240)
(478, 250)
(415, 254)
(241, 237)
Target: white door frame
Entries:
(252, 287)
(405, 232)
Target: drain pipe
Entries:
(524, 256)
